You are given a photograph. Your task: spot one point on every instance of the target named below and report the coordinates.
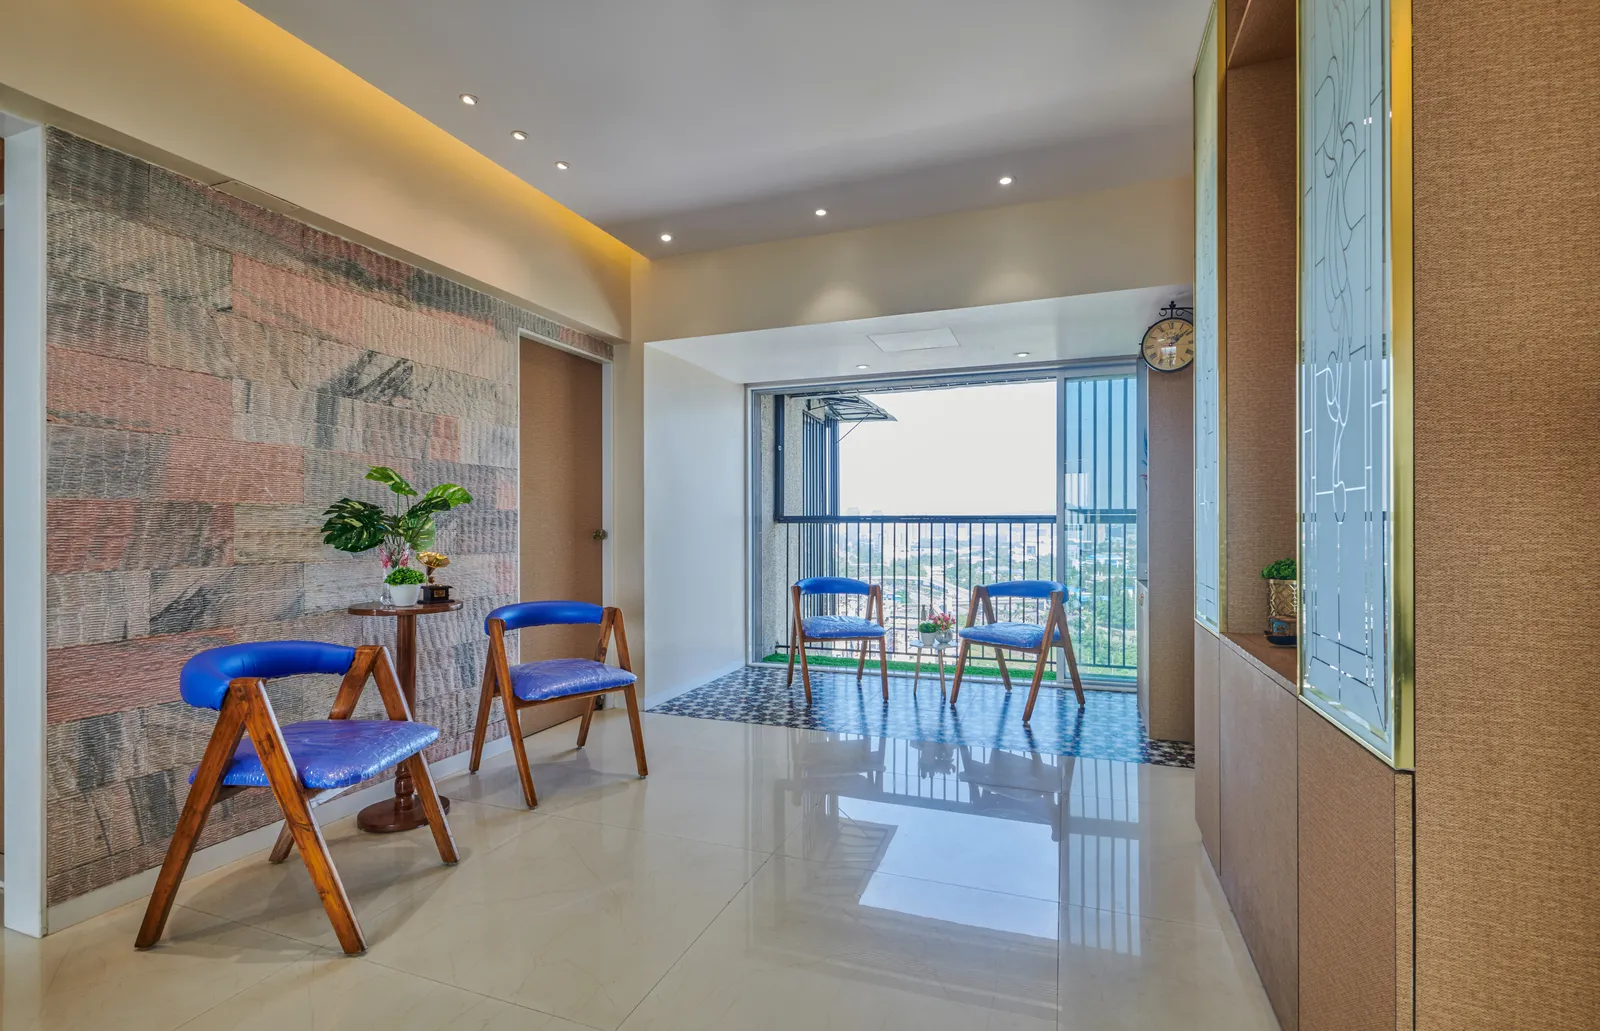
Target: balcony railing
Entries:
(930, 563)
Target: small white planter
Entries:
(927, 639)
(403, 595)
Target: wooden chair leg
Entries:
(1033, 690)
(1072, 666)
(196, 807)
(1005, 674)
(630, 694)
(268, 741)
(861, 664)
(281, 848)
(583, 727)
(961, 665)
(422, 777)
(481, 731)
(520, 750)
(794, 636)
(883, 664)
(805, 670)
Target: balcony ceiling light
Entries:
(822, 212)
(863, 366)
(563, 165)
(468, 99)
(666, 237)
(1006, 180)
(1023, 354)
(518, 134)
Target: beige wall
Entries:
(1132, 236)
(221, 87)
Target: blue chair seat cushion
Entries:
(835, 627)
(334, 753)
(559, 678)
(1007, 635)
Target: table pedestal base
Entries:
(396, 814)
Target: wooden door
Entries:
(561, 503)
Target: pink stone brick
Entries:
(93, 679)
(277, 298)
(444, 442)
(225, 470)
(93, 390)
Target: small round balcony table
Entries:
(938, 648)
(404, 811)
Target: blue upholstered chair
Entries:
(304, 763)
(863, 628)
(1030, 638)
(553, 680)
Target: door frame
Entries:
(25, 781)
(608, 436)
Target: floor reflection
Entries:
(1017, 823)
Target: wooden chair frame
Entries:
(497, 682)
(1055, 620)
(798, 639)
(246, 709)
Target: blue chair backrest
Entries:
(204, 680)
(545, 613)
(833, 585)
(1026, 589)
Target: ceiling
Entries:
(727, 122)
(1056, 329)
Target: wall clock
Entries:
(1169, 344)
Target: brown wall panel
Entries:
(1259, 825)
(1169, 700)
(1207, 742)
(1352, 832)
(1507, 401)
(1261, 333)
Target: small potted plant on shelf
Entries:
(1283, 601)
(405, 584)
(357, 526)
(944, 627)
(926, 631)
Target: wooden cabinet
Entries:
(1259, 732)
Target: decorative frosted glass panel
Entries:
(1346, 442)
(1207, 337)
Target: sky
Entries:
(961, 451)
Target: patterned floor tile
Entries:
(1107, 727)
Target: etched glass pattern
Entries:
(1344, 371)
(1207, 359)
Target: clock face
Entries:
(1169, 345)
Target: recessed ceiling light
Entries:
(821, 212)
(563, 165)
(1006, 180)
(518, 134)
(666, 237)
(863, 366)
(1023, 354)
(468, 99)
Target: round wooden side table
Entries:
(404, 811)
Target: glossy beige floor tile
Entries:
(378, 871)
(761, 878)
(328, 991)
(90, 976)
(1125, 973)
(572, 918)
(811, 945)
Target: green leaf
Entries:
(440, 499)
(354, 526)
(417, 529)
(393, 480)
(405, 575)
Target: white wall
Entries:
(694, 523)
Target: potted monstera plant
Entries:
(399, 535)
